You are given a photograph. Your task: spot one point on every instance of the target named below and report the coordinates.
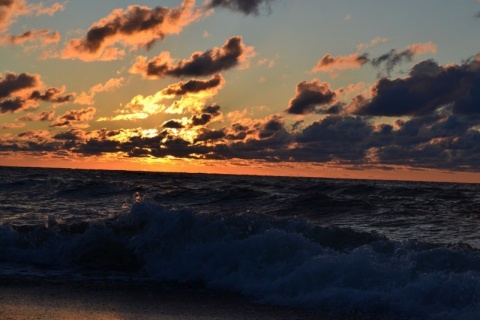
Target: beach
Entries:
(31, 299)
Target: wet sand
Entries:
(25, 299)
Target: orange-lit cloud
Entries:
(42, 116)
(110, 85)
(135, 27)
(193, 95)
(11, 9)
(328, 63)
(373, 42)
(44, 36)
(15, 125)
(23, 91)
(75, 118)
(389, 60)
(231, 54)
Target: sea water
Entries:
(405, 249)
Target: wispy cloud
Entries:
(244, 6)
(388, 61)
(111, 84)
(44, 36)
(328, 63)
(11, 9)
(372, 43)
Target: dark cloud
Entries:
(244, 6)
(51, 95)
(214, 110)
(271, 127)
(73, 134)
(210, 62)
(137, 26)
(428, 88)
(201, 120)
(11, 83)
(208, 114)
(11, 105)
(210, 135)
(193, 86)
(6, 3)
(387, 61)
(74, 118)
(42, 116)
(334, 137)
(448, 142)
(328, 63)
(44, 36)
(173, 124)
(22, 91)
(435, 141)
(310, 95)
(393, 58)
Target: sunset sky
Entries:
(325, 88)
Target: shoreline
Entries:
(39, 299)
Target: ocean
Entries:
(407, 250)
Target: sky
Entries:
(368, 89)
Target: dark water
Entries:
(407, 249)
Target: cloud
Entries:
(31, 141)
(173, 124)
(11, 83)
(44, 36)
(328, 63)
(110, 85)
(194, 86)
(388, 61)
(427, 89)
(193, 95)
(334, 137)
(310, 95)
(52, 95)
(135, 27)
(435, 141)
(448, 142)
(42, 116)
(22, 91)
(373, 42)
(40, 8)
(13, 125)
(210, 62)
(11, 9)
(244, 6)
(75, 118)
(393, 57)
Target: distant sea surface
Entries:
(406, 249)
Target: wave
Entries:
(281, 261)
